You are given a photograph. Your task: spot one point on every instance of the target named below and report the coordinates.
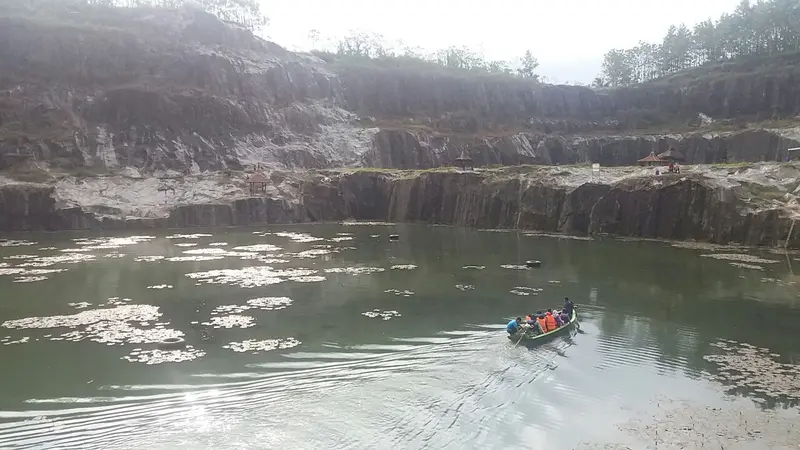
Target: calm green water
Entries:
(442, 374)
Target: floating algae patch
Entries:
(157, 356)
(252, 345)
(160, 286)
(299, 237)
(308, 279)
(513, 266)
(341, 239)
(195, 258)
(344, 234)
(249, 277)
(738, 424)
(114, 255)
(188, 236)
(221, 252)
(11, 270)
(110, 243)
(8, 340)
(465, 287)
(404, 293)
(270, 303)
(474, 267)
(187, 244)
(108, 326)
(383, 315)
(746, 266)
(355, 270)
(740, 257)
(148, 258)
(80, 305)
(521, 292)
(266, 260)
(47, 261)
(529, 289)
(404, 267)
(350, 223)
(258, 248)
(29, 279)
(115, 301)
(4, 264)
(125, 313)
(707, 246)
(232, 321)
(44, 249)
(218, 244)
(14, 243)
(745, 366)
(20, 257)
(554, 282)
(559, 236)
(229, 309)
(313, 253)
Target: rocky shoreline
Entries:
(749, 205)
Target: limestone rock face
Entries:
(166, 92)
(694, 206)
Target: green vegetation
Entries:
(246, 13)
(767, 28)
(372, 48)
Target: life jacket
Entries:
(542, 324)
(550, 321)
(528, 318)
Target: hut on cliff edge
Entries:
(651, 160)
(464, 161)
(258, 184)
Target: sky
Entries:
(568, 37)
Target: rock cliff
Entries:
(164, 92)
(749, 205)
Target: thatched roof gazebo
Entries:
(258, 184)
(651, 160)
(672, 155)
(464, 161)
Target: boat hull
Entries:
(564, 330)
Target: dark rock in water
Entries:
(394, 237)
(533, 264)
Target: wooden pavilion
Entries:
(651, 160)
(258, 184)
(464, 161)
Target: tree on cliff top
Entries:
(529, 65)
(361, 46)
(767, 27)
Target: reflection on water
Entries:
(324, 336)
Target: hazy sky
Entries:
(569, 37)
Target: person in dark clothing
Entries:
(568, 307)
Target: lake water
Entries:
(333, 336)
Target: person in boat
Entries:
(568, 307)
(564, 317)
(540, 320)
(550, 321)
(557, 317)
(513, 327)
(534, 324)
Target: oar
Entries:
(520, 339)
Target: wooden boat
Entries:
(530, 338)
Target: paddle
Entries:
(520, 339)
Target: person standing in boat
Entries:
(540, 320)
(568, 307)
(513, 327)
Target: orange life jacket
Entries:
(550, 321)
(542, 324)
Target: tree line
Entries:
(372, 46)
(246, 13)
(767, 27)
